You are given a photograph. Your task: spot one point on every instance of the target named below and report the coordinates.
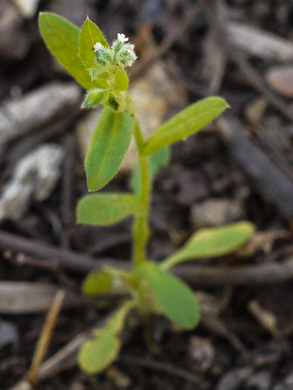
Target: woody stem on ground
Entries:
(141, 231)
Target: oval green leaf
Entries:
(97, 354)
(175, 299)
(186, 123)
(61, 38)
(90, 34)
(105, 209)
(121, 80)
(108, 147)
(212, 242)
(97, 283)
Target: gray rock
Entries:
(34, 179)
(8, 334)
(36, 109)
(234, 379)
(216, 212)
(202, 353)
(262, 380)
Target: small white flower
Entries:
(98, 46)
(122, 38)
(120, 54)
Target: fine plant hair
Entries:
(149, 287)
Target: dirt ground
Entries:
(239, 168)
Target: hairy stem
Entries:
(141, 231)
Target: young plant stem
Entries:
(141, 230)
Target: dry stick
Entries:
(160, 366)
(62, 360)
(63, 257)
(45, 338)
(198, 276)
(168, 41)
(32, 376)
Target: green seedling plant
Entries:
(150, 287)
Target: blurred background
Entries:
(238, 168)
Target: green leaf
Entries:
(212, 242)
(116, 101)
(104, 283)
(105, 209)
(90, 34)
(97, 283)
(97, 354)
(61, 38)
(116, 322)
(108, 146)
(156, 161)
(186, 123)
(121, 80)
(94, 97)
(175, 299)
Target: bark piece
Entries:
(274, 184)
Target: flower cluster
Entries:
(120, 54)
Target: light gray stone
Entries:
(34, 179)
(36, 109)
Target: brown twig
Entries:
(45, 338)
(32, 377)
(161, 367)
(59, 257)
(198, 276)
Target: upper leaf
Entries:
(175, 299)
(61, 38)
(108, 146)
(156, 161)
(186, 123)
(121, 80)
(90, 34)
(212, 242)
(105, 209)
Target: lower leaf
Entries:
(175, 299)
(97, 354)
